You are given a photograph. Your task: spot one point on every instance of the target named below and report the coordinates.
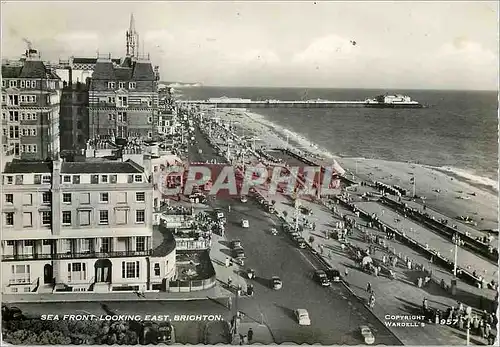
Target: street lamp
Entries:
(456, 240)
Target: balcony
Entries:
(74, 255)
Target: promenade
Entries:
(393, 297)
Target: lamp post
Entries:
(456, 240)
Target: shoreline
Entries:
(455, 191)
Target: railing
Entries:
(76, 255)
(192, 244)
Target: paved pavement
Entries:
(336, 315)
(474, 232)
(435, 241)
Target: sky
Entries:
(406, 45)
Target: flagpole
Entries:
(414, 185)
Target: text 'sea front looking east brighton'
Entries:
(268, 207)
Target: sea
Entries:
(456, 132)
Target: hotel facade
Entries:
(81, 226)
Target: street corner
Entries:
(217, 332)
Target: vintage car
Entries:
(302, 316)
(276, 283)
(367, 334)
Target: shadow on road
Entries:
(262, 281)
(225, 243)
(287, 311)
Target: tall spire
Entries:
(132, 39)
(132, 24)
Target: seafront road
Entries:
(335, 314)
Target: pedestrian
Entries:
(229, 303)
(369, 287)
(384, 259)
(375, 271)
(250, 335)
(343, 247)
(419, 282)
(346, 272)
(229, 281)
(227, 262)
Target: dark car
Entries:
(321, 278)
(235, 244)
(11, 313)
(157, 333)
(301, 242)
(333, 275)
(238, 253)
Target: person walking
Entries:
(372, 300)
(369, 287)
(250, 335)
(229, 303)
(229, 282)
(346, 272)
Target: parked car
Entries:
(301, 242)
(11, 313)
(245, 223)
(157, 333)
(333, 275)
(321, 278)
(274, 231)
(235, 244)
(302, 316)
(251, 273)
(367, 335)
(219, 214)
(276, 283)
(238, 253)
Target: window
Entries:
(130, 269)
(94, 179)
(34, 149)
(104, 178)
(66, 217)
(140, 244)
(9, 218)
(132, 85)
(122, 101)
(46, 197)
(3, 83)
(150, 120)
(157, 269)
(67, 198)
(77, 272)
(46, 218)
(103, 217)
(104, 197)
(121, 85)
(10, 179)
(20, 274)
(9, 198)
(19, 179)
(140, 197)
(111, 85)
(46, 179)
(67, 179)
(47, 242)
(27, 219)
(27, 199)
(38, 179)
(85, 198)
(150, 134)
(12, 83)
(138, 178)
(76, 179)
(33, 84)
(111, 100)
(84, 217)
(140, 216)
(105, 245)
(121, 216)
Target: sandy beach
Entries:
(444, 191)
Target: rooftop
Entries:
(29, 69)
(19, 167)
(96, 167)
(93, 166)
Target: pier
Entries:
(231, 103)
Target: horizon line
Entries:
(338, 88)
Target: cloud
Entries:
(324, 49)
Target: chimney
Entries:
(70, 76)
(56, 195)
